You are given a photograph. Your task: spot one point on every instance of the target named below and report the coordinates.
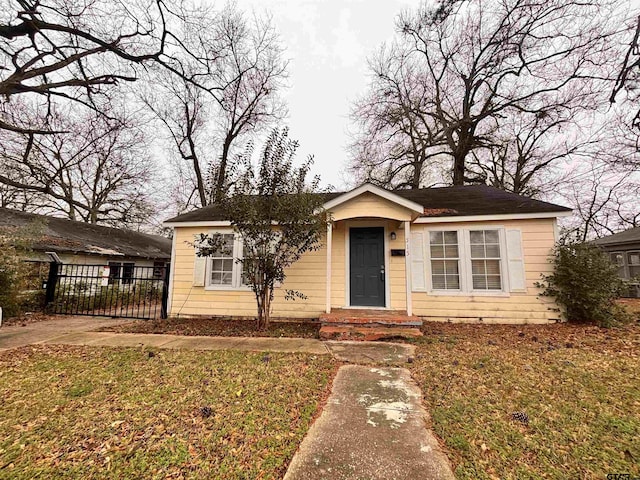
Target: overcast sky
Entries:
(328, 42)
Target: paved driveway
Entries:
(17, 336)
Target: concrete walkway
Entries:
(373, 427)
(262, 344)
(14, 336)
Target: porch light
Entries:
(393, 235)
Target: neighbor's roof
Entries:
(68, 236)
(628, 236)
(458, 201)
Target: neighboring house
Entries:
(81, 243)
(470, 253)
(624, 250)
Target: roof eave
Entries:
(495, 217)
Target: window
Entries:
(114, 272)
(445, 258)
(158, 270)
(633, 259)
(127, 273)
(485, 259)
(470, 261)
(617, 258)
(226, 268)
(222, 262)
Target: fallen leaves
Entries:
(219, 327)
(147, 416)
(581, 396)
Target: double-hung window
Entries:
(445, 260)
(224, 268)
(617, 258)
(485, 259)
(466, 260)
(222, 262)
(634, 264)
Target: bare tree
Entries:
(96, 172)
(482, 61)
(398, 143)
(604, 201)
(57, 49)
(629, 75)
(530, 151)
(181, 109)
(243, 97)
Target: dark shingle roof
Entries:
(455, 201)
(475, 200)
(68, 236)
(628, 236)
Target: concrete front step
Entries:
(366, 333)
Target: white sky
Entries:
(328, 42)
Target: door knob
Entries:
(382, 273)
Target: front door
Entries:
(366, 266)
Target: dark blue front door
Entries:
(366, 264)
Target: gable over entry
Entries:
(365, 220)
(369, 201)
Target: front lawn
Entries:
(579, 386)
(85, 412)
(219, 327)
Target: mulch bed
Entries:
(218, 327)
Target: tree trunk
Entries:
(218, 193)
(458, 168)
(264, 308)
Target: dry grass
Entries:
(579, 385)
(85, 412)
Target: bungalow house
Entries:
(624, 250)
(460, 254)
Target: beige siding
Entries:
(338, 265)
(369, 205)
(526, 307)
(308, 276)
(396, 277)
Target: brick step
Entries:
(366, 333)
(369, 317)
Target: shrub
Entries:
(585, 283)
(11, 275)
(15, 243)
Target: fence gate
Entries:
(129, 291)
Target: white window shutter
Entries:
(199, 268)
(515, 256)
(418, 283)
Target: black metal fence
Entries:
(127, 290)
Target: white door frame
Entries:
(364, 224)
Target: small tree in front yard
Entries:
(585, 282)
(279, 216)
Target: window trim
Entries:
(236, 274)
(629, 265)
(426, 240)
(504, 283)
(464, 262)
(622, 254)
